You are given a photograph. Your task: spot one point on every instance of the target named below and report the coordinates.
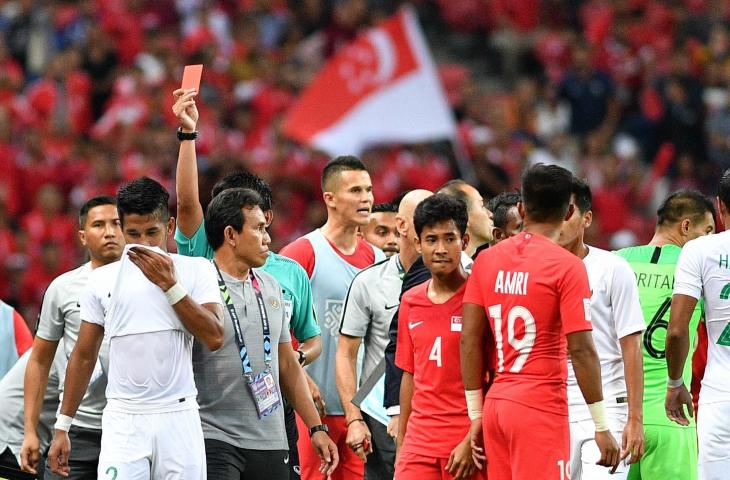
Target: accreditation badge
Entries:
(265, 393)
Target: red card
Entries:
(191, 77)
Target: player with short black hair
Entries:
(505, 215)
(617, 327)
(433, 431)
(332, 255)
(59, 321)
(150, 305)
(671, 449)
(343, 163)
(381, 231)
(535, 298)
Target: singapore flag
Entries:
(382, 88)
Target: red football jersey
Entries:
(534, 293)
(428, 347)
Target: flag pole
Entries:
(463, 162)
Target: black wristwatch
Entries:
(318, 428)
(186, 135)
(302, 357)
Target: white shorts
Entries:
(584, 452)
(151, 446)
(713, 434)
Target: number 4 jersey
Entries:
(654, 270)
(534, 293)
(429, 335)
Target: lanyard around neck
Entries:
(243, 352)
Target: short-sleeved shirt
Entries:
(615, 313)
(150, 350)
(429, 335)
(59, 320)
(12, 425)
(535, 293)
(703, 271)
(372, 300)
(227, 409)
(291, 276)
(654, 269)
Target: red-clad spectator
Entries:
(48, 223)
(52, 260)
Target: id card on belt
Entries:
(265, 393)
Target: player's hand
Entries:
(476, 442)
(316, 395)
(393, 426)
(610, 452)
(58, 454)
(158, 268)
(461, 464)
(30, 452)
(674, 404)
(185, 109)
(326, 451)
(359, 439)
(632, 441)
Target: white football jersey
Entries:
(615, 313)
(703, 271)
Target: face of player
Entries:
(251, 244)
(574, 228)
(480, 218)
(148, 230)
(512, 228)
(441, 246)
(102, 234)
(704, 226)
(351, 197)
(381, 232)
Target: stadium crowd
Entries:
(632, 95)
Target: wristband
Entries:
(63, 422)
(474, 403)
(355, 420)
(175, 294)
(675, 383)
(598, 412)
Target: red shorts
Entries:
(525, 443)
(350, 467)
(412, 466)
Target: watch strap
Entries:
(182, 136)
(318, 428)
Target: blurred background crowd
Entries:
(632, 94)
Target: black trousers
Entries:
(226, 462)
(10, 469)
(84, 458)
(292, 436)
(381, 463)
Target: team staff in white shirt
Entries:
(703, 271)
(618, 323)
(150, 305)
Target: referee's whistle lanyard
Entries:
(248, 372)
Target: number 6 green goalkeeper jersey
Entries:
(654, 269)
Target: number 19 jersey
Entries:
(534, 293)
(654, 268)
